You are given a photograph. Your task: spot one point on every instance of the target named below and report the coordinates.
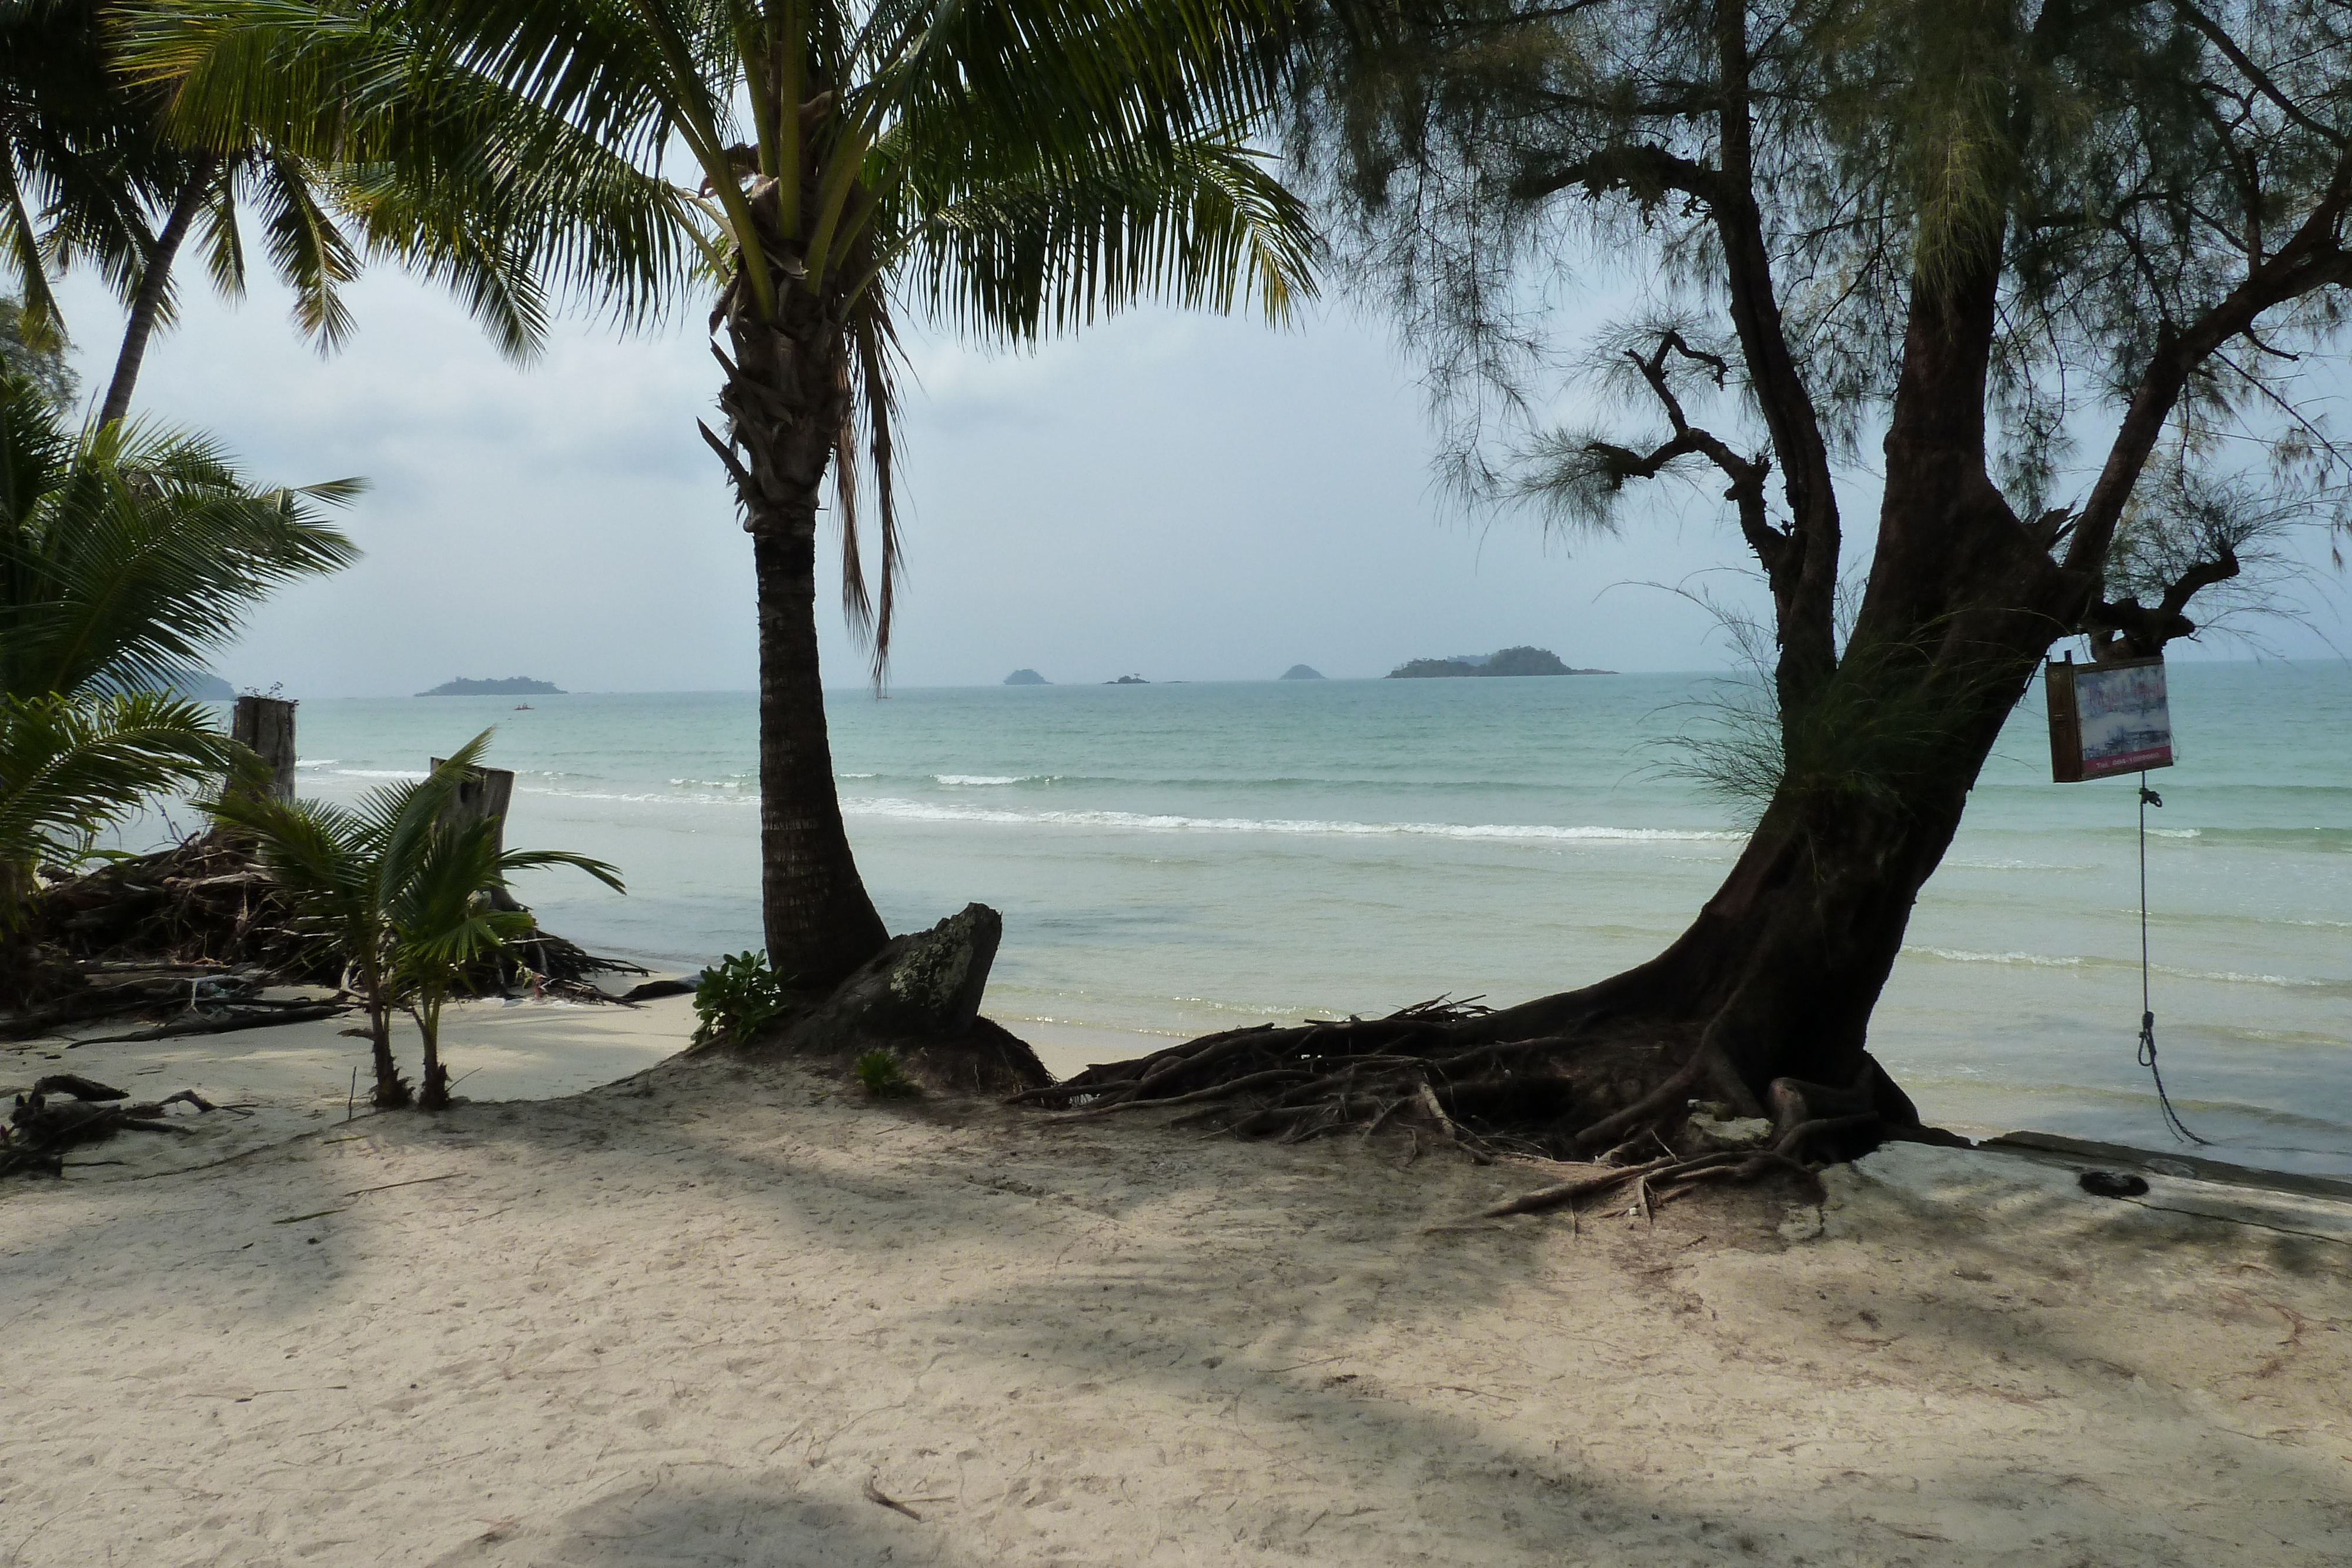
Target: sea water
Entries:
(1176, 858)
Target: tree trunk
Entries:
(154, 283)
(265, 725)
(1765, 1001)
(786, 397)
(391, 1089)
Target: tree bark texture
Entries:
(786, 394)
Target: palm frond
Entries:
(72, 767)
(127, 553)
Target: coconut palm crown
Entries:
(1011, 168)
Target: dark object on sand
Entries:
(201, 928)
(2112, 1184)
(919, 1000)
(653, 990)
(1444, 1073)
(40, 1131)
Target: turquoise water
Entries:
(1176, 858)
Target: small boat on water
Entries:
(522, 707)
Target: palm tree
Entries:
(125, 554)
(1013, 167)
(398, 894)
(72, 767)
(449, 917)
(128, 552)
(95, 174)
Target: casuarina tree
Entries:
(1005, 167)
(2029, 282)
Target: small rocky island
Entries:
(1521, 661)
(200, 685)
(511, 687)
(1026, 678)
(1301, 673)
(1127, 681)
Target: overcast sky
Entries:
(1179, 496)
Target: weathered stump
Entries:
(484, 794)
(265, 725)
(918, 998)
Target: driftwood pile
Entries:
(183, 998)
(42, 1130)
(190, 937)
(202, 902)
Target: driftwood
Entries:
(201, 928)
(42, 1130)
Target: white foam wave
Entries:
(2237, 977)
(2176, 832)
(709, 784)
(675, 797)
(318, 761)
(987, 778)
(2047, 961)
(1967, 955)
(382, 773)
(2017, 865)
(937, 811)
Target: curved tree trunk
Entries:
(154, 283)
(785, 397)
(1764, 1002)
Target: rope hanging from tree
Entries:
(2148, 798)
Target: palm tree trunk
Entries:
(819, 920)
(391, 1089)
(154, 283)
(435, 1093)
(786, 396)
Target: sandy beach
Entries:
(723, 1312)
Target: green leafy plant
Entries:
(126, 553)
(736, 996)
(399, 894)
(880, 1071)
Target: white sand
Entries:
(692, 1318)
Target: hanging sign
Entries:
(2106, 719)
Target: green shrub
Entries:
(878, 1071)
(737, 995)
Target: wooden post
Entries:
(265, 725)
(485, 792)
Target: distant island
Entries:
(512, 686)
(1521, 661)
(200, 685)
(1127, 681)
(1301, 673)
(1026, 678)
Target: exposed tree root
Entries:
(1433, 1072)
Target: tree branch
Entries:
(2259, 79)
(2143, 631)
(1772, 545)
(2313, 259)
